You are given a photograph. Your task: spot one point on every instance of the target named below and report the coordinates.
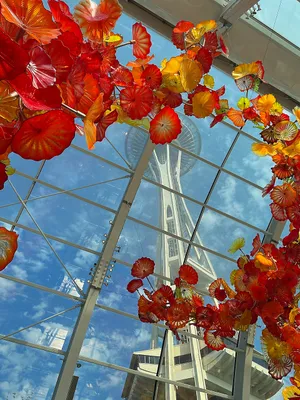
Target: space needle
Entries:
(189, 361)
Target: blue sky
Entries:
(111, 337)
(276, 13)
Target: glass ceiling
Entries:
(74, 198)
(282, 16)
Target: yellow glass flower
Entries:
(263, 149)
(290, 392)
(190, 74)
(276, 109)
(293, 313)
(113, 38)
(194, 36)
(275, 347)
(173, 83)
(209, 82)
(244, 321)
(245, 69)
(124, 119)
(266, 102)
(172, 66)
(233, 275)
(263, 263)
(296, 112)
(243, 103)
(206, 26)
(238, 244)
(224, 107)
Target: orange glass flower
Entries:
(142, 267)
(284, 195)
(213, 341)
(188, 274)
(134, 285)
(236, 116)
(97, 21)
(136, 101)
(165, 126)
(142, 41)
(31, 16)
(178, 315)
(203, 104)
(44, 136)
(8, 246)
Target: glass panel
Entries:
(216, 141)
(74, 169)
(75, 220)
(8, 196)
(241, 200)
(217, 232)
(115, 294)
(34, 305)
(151, 203)
(137, 241)
(113, 338)
(96, 382)
(179, 171)
(35, 262)
(116, 134)
(27, 374)
(281, 12)
(28, 167)
(248, 165)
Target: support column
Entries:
(198, 370)
(243, 360)
(79, 332)
(170, 390)
(243, 365)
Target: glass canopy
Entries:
(282, 17)
(72, 202)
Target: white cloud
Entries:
(84, 259)
(110, 346)
(111, 299)
(260, 167)
(19, 366)
(238, 232)
(40, 310)
(33, 335)
(228, 193)
(20, 272)
(111, 380)
(20, 257)
(7, 289)
(5, 225)
(210, 221)
(94, 348)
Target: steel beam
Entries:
(79, 332)
(100, 306)
(33, 183)
(157, 378)
(235, 9)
